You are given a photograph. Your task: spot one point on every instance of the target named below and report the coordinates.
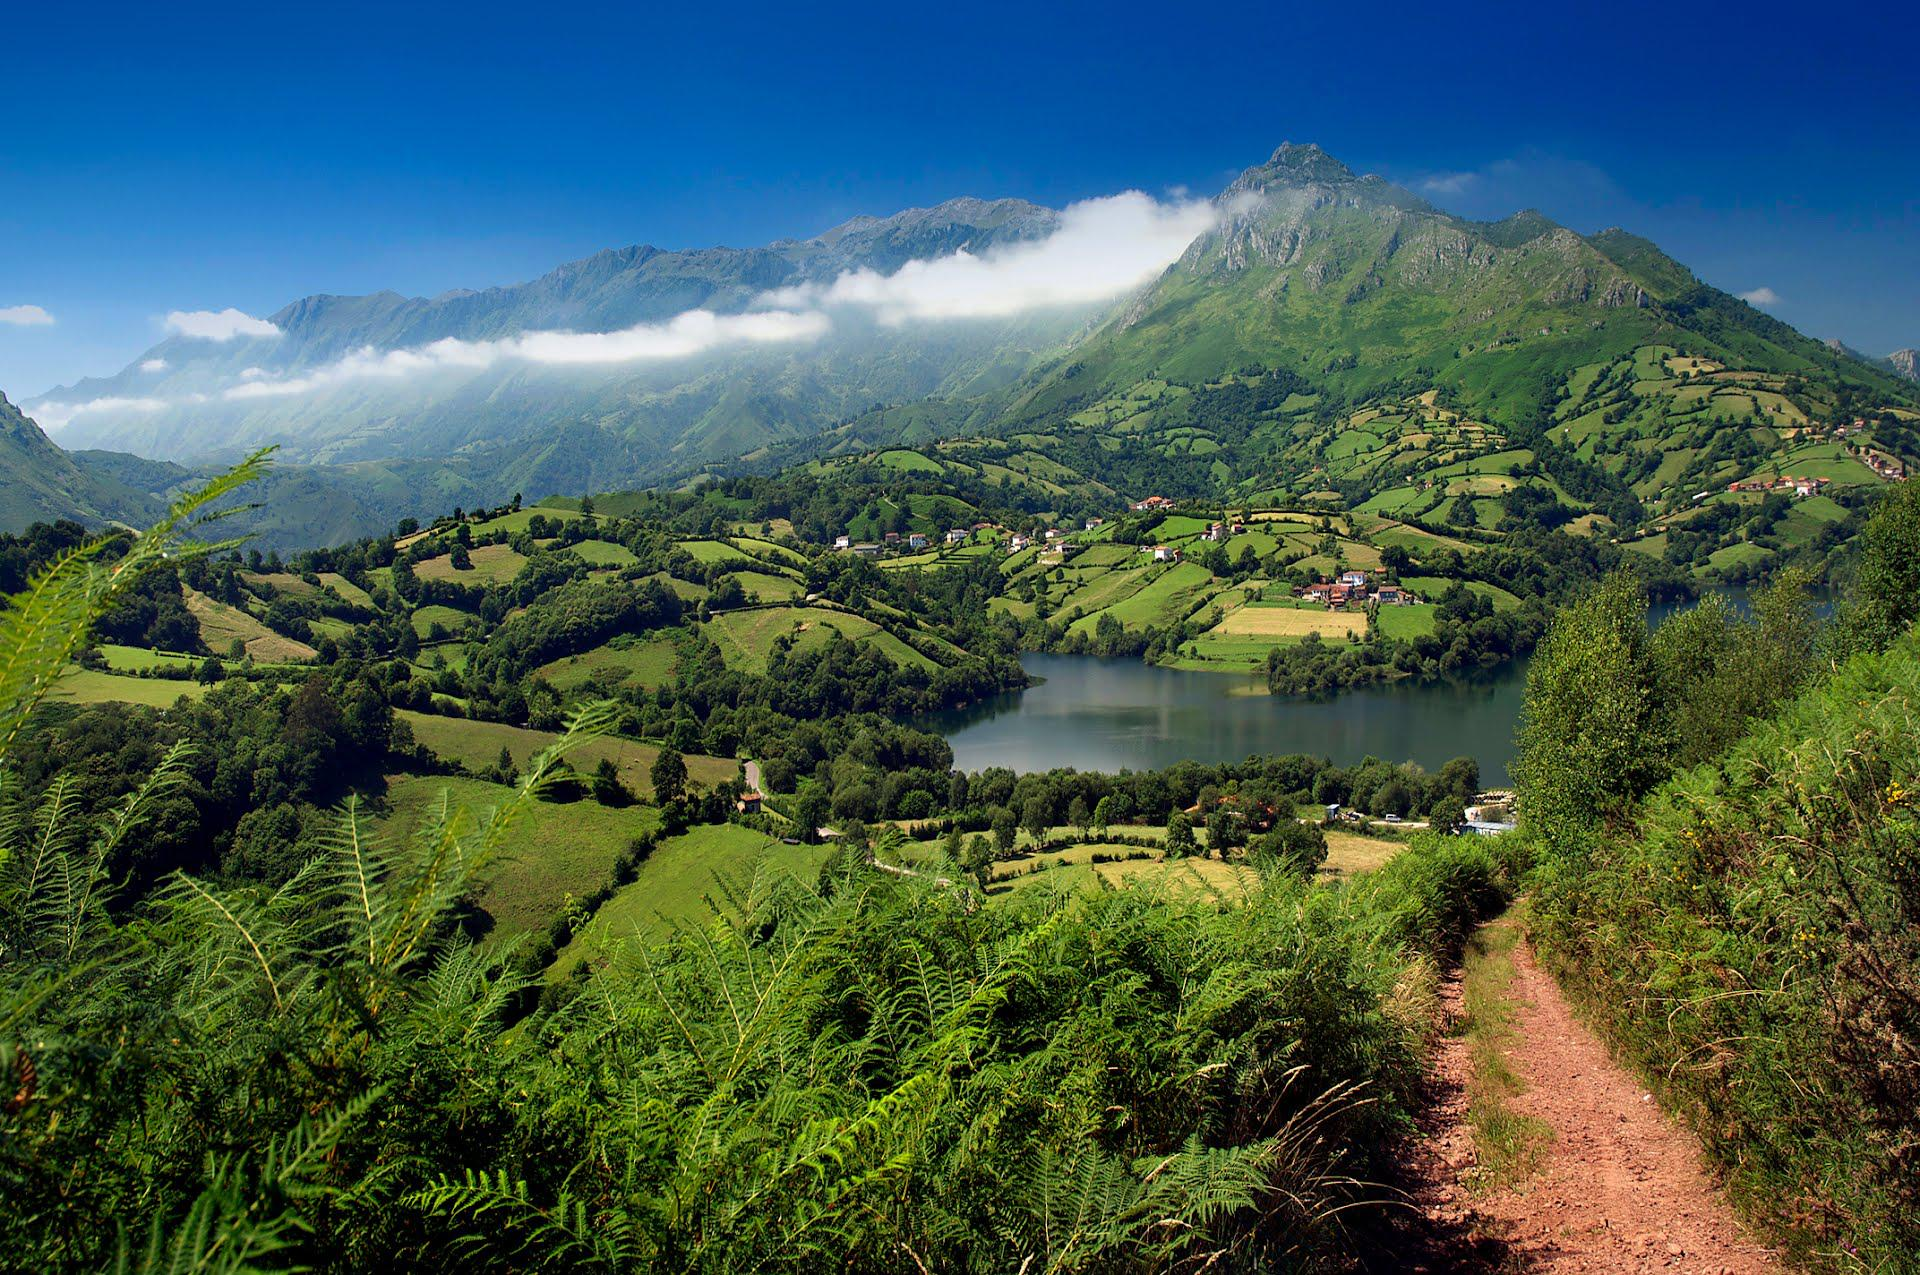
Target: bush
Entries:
(1755, 945)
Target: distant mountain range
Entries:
(1902, 363)
(1353, 290)
(660, 415)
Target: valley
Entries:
(818, 756)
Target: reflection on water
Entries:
(1096, 714)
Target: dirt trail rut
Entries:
(1617, 1189)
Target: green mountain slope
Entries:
(41, 483)
(1366, 290)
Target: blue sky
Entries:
(199, 157)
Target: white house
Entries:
(957, 536)
(843, 542)
(1165, 553)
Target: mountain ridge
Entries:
(1349, 289)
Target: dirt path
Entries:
(1617, 1188)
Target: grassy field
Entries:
(518, 520)
(557, 849)
(1282, 622)
(448, 618)
(347, 589)
(136, 659)
(478, 744)
(763, 586)
(746, 638)
(712, 551)
(1074, 869)
(222, 625)
(85, 686)
(649, 663)
(1351, 852)
(492, 564)
(677, 880)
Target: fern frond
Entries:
(43, 627)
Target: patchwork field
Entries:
(649, 662)
(222, 625)
(478, 744)
(492, 564)
(746, 637)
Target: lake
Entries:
(1095, 714)
(1107, 715)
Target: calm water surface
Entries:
(1095, 714)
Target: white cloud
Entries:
(154, 365)
(683, 336)
(57, 416)
(25, 316)
(1103, 248)
(218, 325)
(1446, 183)
(1760, 297)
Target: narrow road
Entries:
(1618, 1189)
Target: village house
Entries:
(867, 550)
(892, 537)
(916, 541)
(1885, 466)
(843, 542)
(749, 803)
(1165, 553)
(957, 536)
(1054, 533)
(1092, 523)
(1217, 531)
(1798, 486)
(1355, 579)
(1018, 543)
(1151, 503)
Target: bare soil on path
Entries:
(1618, 1189)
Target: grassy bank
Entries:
(1754, 945)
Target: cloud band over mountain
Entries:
(1101, 249)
